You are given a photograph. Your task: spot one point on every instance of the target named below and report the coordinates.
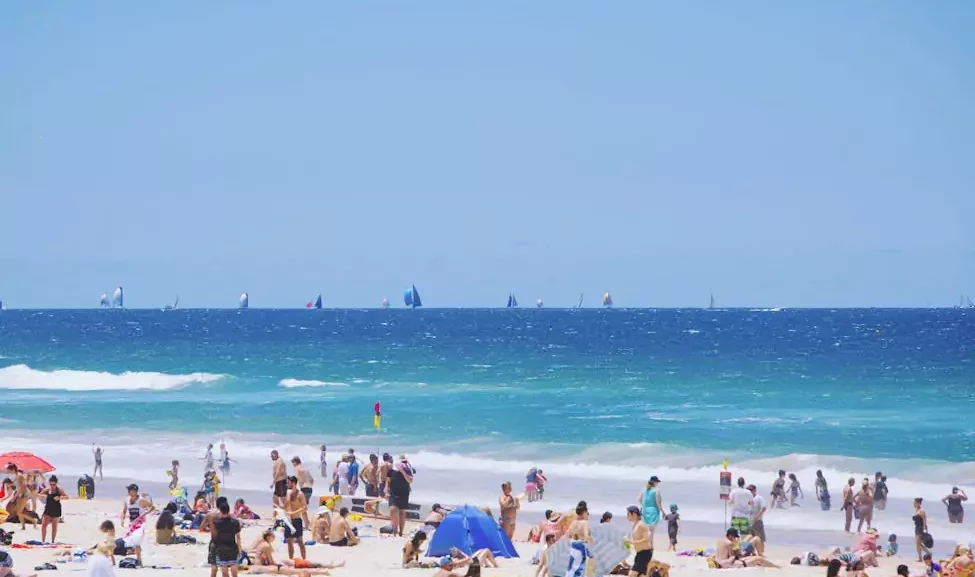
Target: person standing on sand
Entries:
(641, 541)
(305, 482)
(509, 509)
(384, 470)
(97, 451)
(741, 502)
(651, 507)
(880, 491)
(864, 504)
(822, 492)
(920, 520)
(953, 500)
(759, 508)
(53, 495)
(279, 480)
(323, 462)
(848, 503)
(174, 475)
(398, 491)
(296, 509)
(225, 533)
(370, 477)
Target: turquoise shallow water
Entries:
(601, 398)
(877, 383)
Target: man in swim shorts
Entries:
(279, 483)
(295, 508)
(740, 501)
(640, 542)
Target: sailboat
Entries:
(512, 301)
(711, 304)
(117, 300)
(385, 304)
(579, 306)
(539, 304)
(104, 301)
(412, 298)
(318, 301)
(1, 305)
(607, 300)
(173, 306)
(244, 301)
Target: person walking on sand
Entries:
(509, 509)
(953, 500)
(822, 492)
(53, 495)
(864, 504)
(759, 508)
(880, 491)
(641, 541)
(296, 509)
(279, 480)
(778, 491)
(208, 459)
(920, 520)
(650, 501)
(17, 505)
(97, 451)
(848, 503)
(305, 482)
(795, 491)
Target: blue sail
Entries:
(416, 298)
(509, 300)
(318, 302)
(408, 297)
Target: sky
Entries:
(802, 153)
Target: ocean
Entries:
(600, 399)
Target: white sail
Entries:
(244, 301)
(607, 300)
(539, 303)
(117, 300)
(104, 301)
(173, 306)
(385, 303)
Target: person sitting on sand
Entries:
(726, 556)
(166, 525)
(242, 511)
(411, 551)
(322, 525)
(541, 558)
(865, 547)
(266, 564)
(962, 564)
(341, 533)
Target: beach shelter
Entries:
(468, 528)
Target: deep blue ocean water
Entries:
(609, 395)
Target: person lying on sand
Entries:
(726, 555)
(264, 555)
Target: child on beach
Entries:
(891, 545)
(795, 490)
(673, 526)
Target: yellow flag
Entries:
(725, 464)
(375, 422)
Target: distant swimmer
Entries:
(97, 451)
(225, 460)
(822, 491)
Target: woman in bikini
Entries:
(18, 504)
(264, 554)
(509, 509)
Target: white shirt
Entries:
(741, 503)
(759, 504)
(343, 473)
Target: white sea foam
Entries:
(23, 377)
(296, 383)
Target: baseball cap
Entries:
(654, 479)
(133, 487)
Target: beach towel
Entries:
(567, 558)
(608, 547)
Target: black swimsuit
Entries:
(52, 507)
(918, 524)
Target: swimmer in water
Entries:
(795, 491)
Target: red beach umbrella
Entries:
(26, 462)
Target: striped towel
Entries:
(607, 547)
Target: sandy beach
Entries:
(376, 555)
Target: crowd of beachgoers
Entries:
(367, 502)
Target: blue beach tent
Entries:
(469, 529)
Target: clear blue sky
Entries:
(817, 153)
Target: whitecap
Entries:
(295, 383)
(22, 377)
